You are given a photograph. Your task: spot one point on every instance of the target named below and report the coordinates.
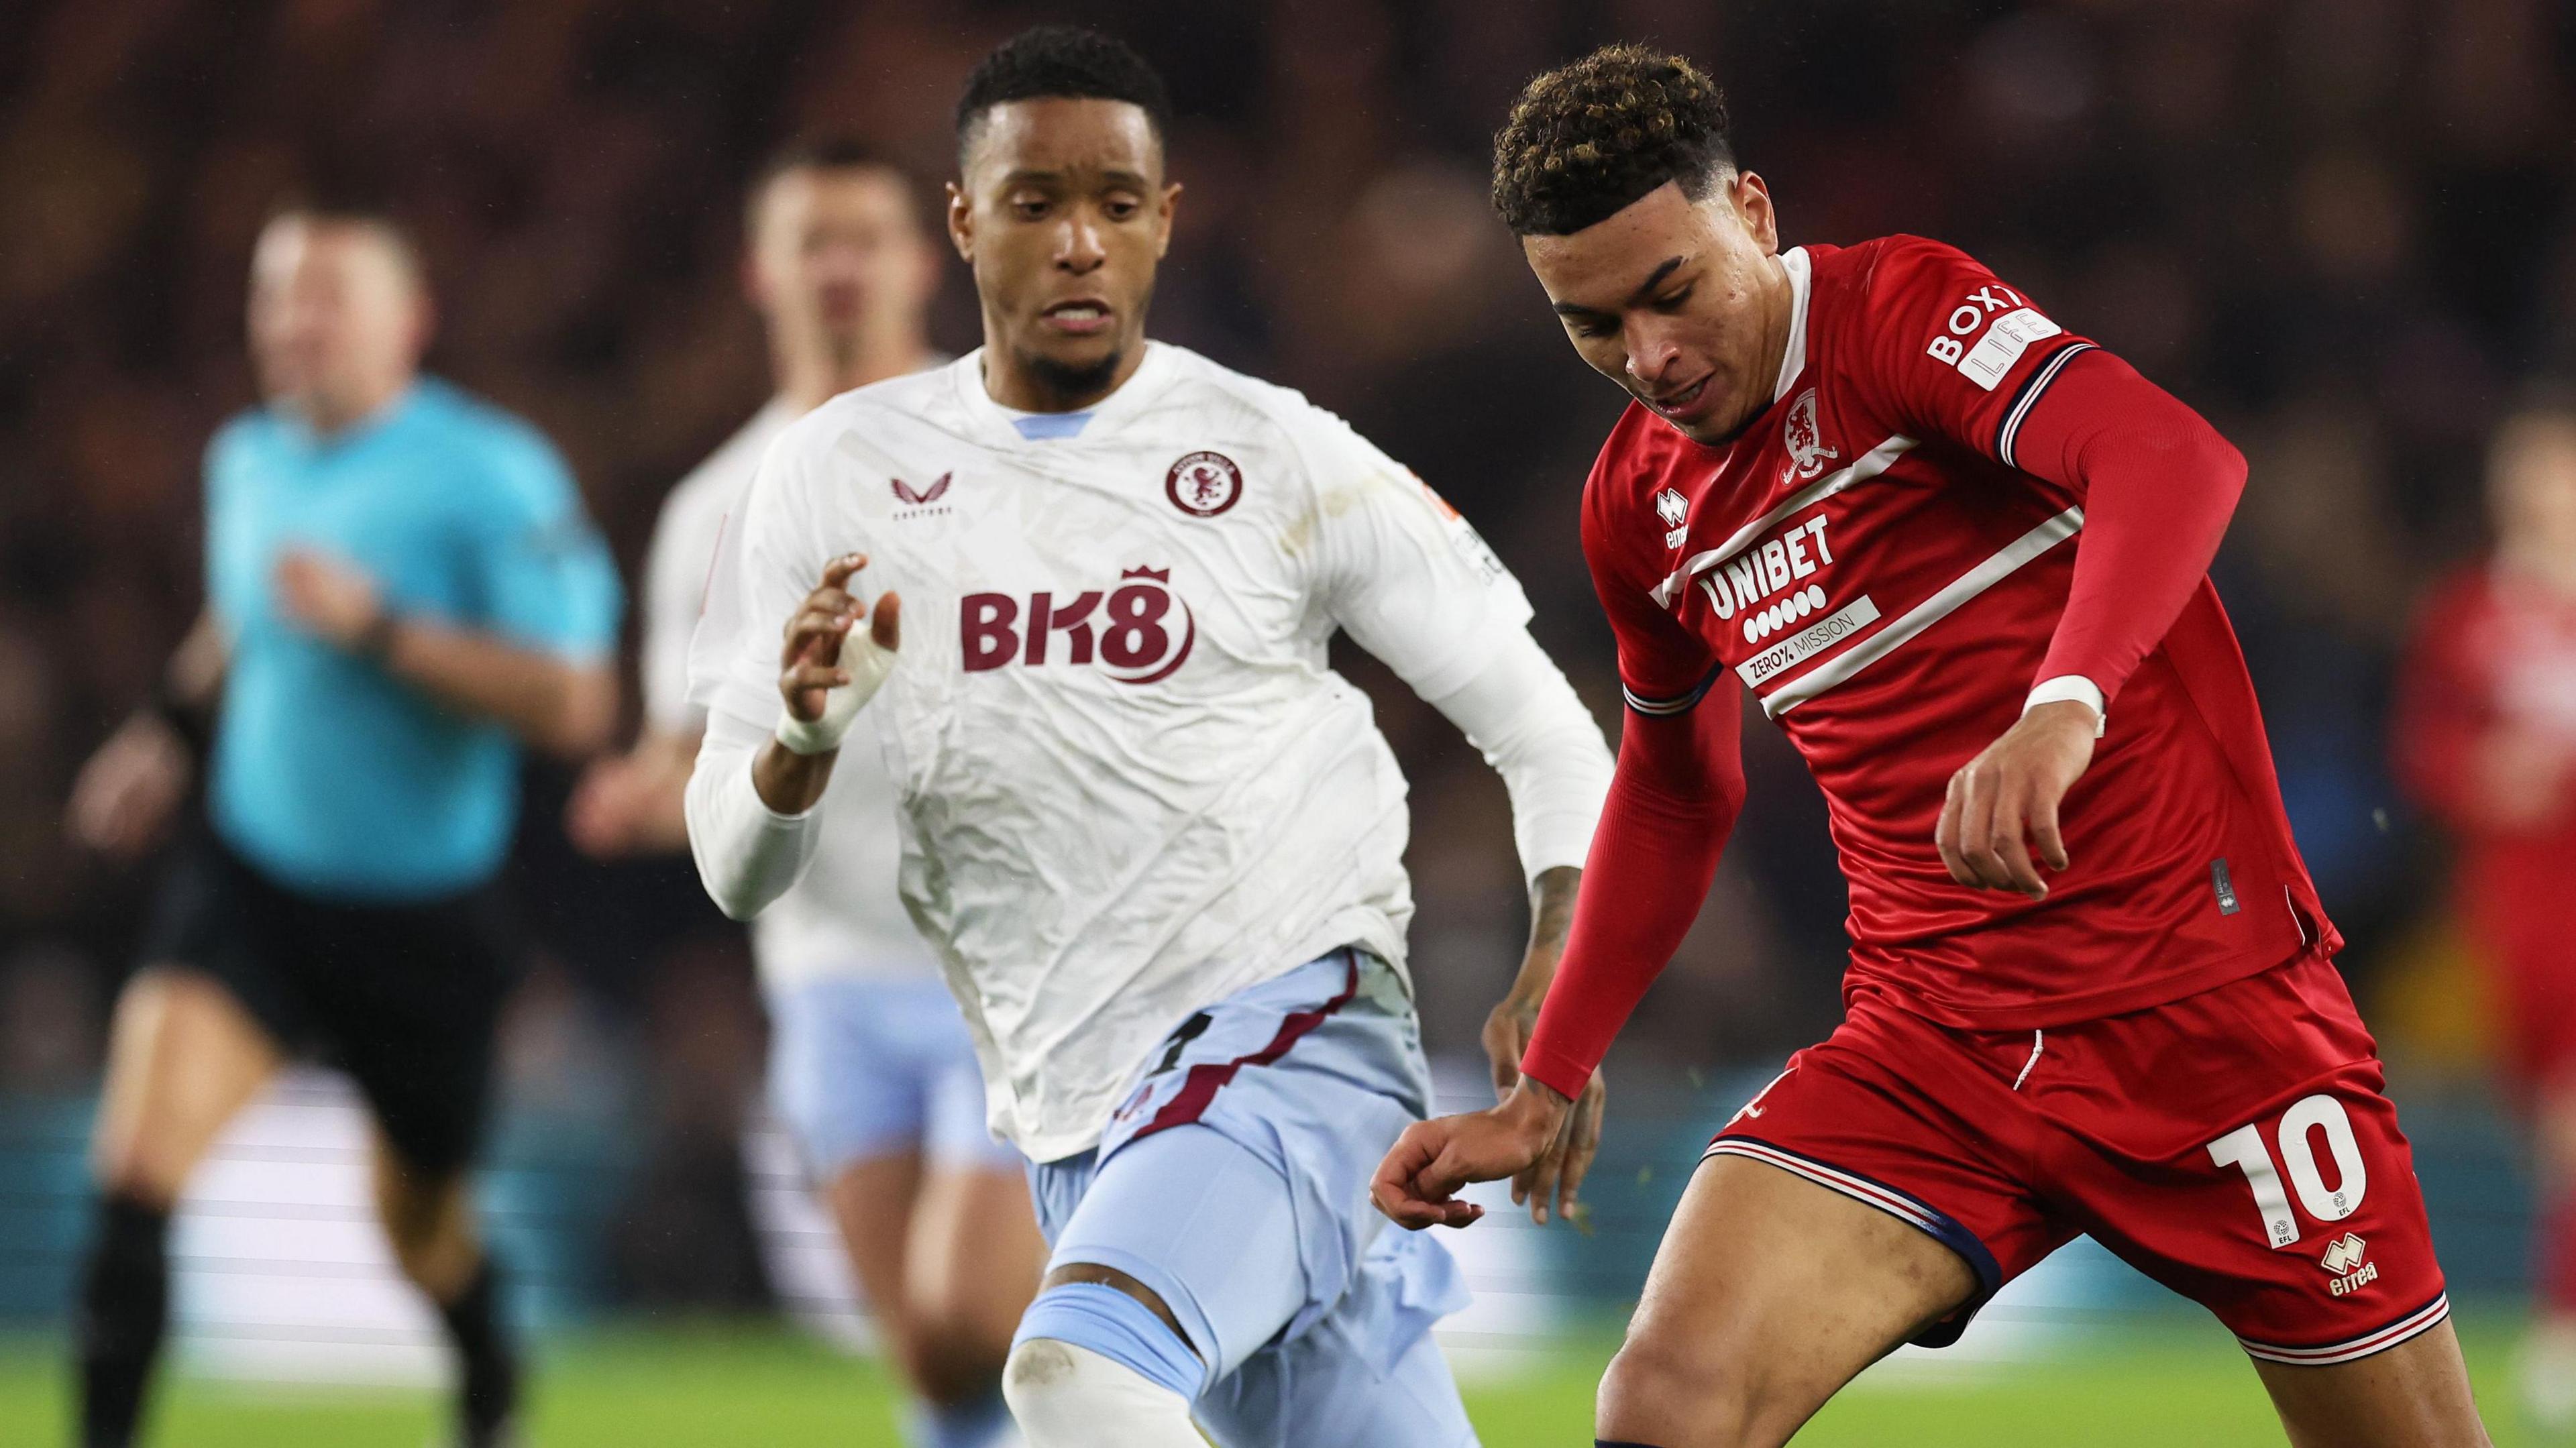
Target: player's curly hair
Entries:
(1586, 139)
(1061, 60)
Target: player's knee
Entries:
(1068, 1396)
(1091, 1358)
(1654, 1391)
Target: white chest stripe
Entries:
(1925, 614)
(1877, 460)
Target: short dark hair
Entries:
(1067, 61)
(824, 152)
(1586, 139)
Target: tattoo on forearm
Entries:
(1552, 904)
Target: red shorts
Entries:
(2236, 1146)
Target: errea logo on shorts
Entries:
(1127, 632)
(2343, 1259)
(1993, 354)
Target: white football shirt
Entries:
(844, 918)
(1131, 785)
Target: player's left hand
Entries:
(2004, 801)
(327, 597)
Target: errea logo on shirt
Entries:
(1674, 509)
(1993, 354)
(1125, 632)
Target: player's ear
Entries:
(961, 222)
(1751, 196)
(1163, 224)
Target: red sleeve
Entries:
(1947, 349)
(2444, 708)
(1956, 353)
(1673, 800)
(2157, 484)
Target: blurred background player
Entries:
(402, 591)
(870, 1066)
(2486, 739)
(1156, 838)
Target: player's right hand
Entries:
(130, 789)
(1417, 1184)
(2002, 806)
(809, 659)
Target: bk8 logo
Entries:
(1127, 632)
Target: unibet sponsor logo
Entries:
(1754, 575)
(1127, 632)
(2343, 1258)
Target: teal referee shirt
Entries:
(330, 775)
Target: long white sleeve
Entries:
(748, 854)
(1413, 584)
(1526, 720)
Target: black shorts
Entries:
(405, 998)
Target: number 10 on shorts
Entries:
(2243, 1149)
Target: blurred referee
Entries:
(402, 590)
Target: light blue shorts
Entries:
(861, 1068)
(1233, 1182)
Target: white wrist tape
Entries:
(867, 666)
(2072, 688)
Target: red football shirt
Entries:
(1867, 559)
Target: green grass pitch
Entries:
(726, 1386)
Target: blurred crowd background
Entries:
(2341, 228)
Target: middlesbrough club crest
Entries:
(1804, 440)
(1203, 484)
